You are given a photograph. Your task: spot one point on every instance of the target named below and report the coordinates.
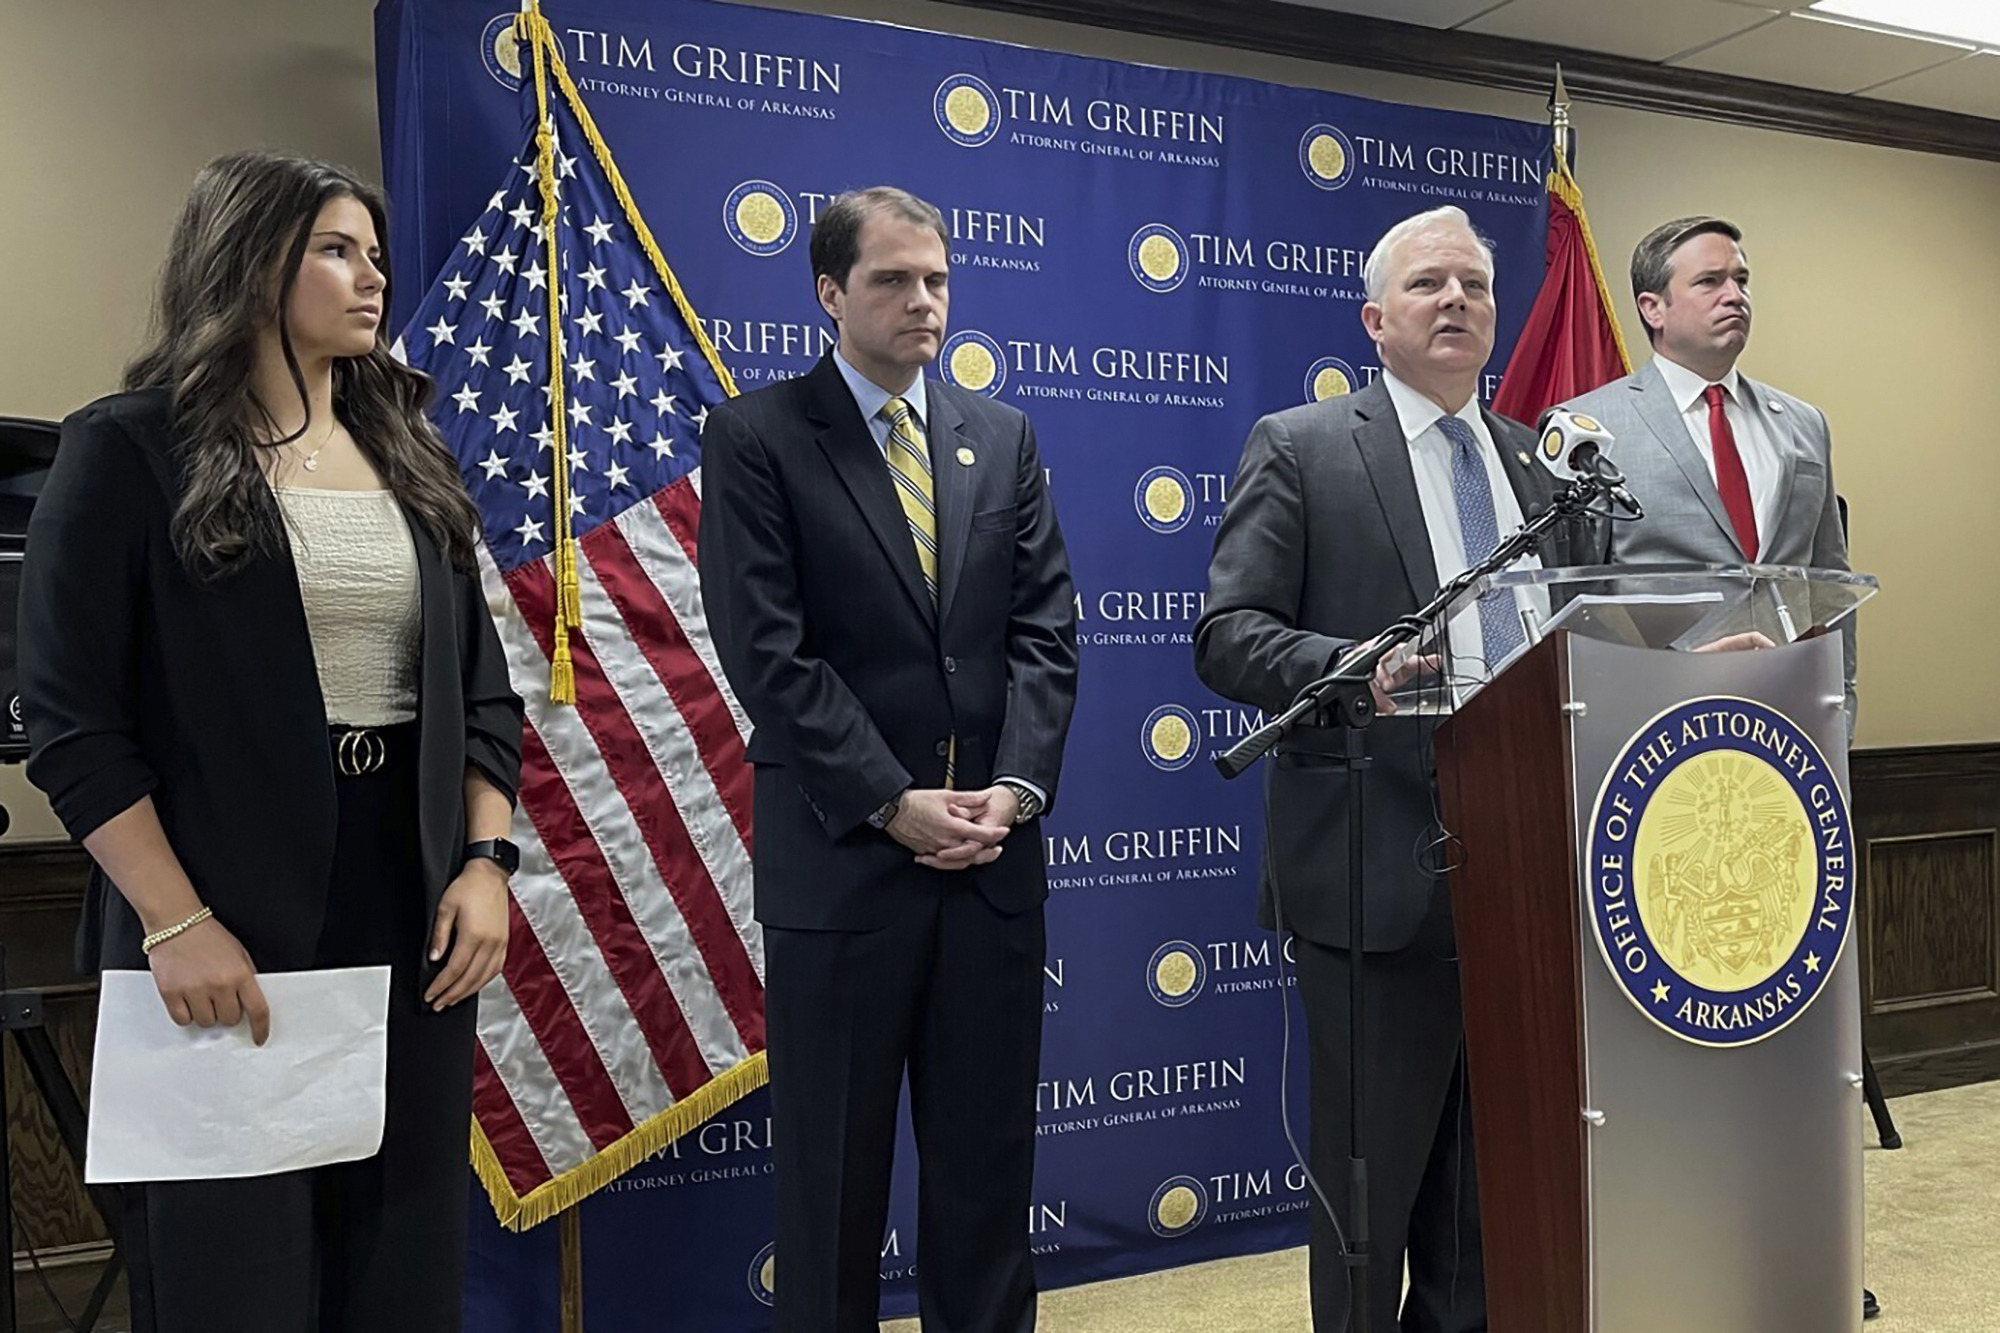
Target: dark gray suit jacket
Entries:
(1322, 545)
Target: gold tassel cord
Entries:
(531, 27)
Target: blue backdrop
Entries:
(1146, 260)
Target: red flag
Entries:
(1570, 344)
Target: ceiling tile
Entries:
(1641, 29)
(1813, 54)
(1971, 86)
(1771, 4)
(1429, 13)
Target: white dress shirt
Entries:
(1753, 442)
(1430, 460)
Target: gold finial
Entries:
(1559, 118)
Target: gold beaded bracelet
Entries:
(159, 937)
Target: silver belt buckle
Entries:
(360, 752)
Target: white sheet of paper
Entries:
(174, 1103)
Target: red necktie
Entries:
(1730, 479)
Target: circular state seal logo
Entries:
(1165, 499)
(1721, 872)
(763, 1276)
(500, 52)
(1552, 445)
(1159, 257)
(1171, 738)
(760, 218)
(974, 362)
(967, 111)
(1179, 1206)
(1329, 377)
(1176, 973)
(1326, 156)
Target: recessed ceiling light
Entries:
(1952, 21)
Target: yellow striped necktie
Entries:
(909, 456)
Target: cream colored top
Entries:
(358, 577)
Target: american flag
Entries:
(633, 1001)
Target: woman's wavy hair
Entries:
(249, 217)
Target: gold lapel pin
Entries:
(1522, 454)
(965, 457)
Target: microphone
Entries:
(1572, 445)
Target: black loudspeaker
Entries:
(27, 448)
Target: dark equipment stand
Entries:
(27, 450)
(1344, 700)
(21, 1016)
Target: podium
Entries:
(1653, 896)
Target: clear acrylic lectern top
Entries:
(1668, 607)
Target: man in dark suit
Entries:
(892, 603)
(1347, 514)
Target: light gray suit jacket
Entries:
(1685, 520)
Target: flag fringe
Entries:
(1564, 186)
(518, 1212)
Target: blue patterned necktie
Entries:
(1480, 529)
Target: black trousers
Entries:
(1423, 1197)
(375, 1246)
(953, 994)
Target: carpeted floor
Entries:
(1933, 1250)
(1933, 1246)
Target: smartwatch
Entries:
(497, 850)
(880, 819)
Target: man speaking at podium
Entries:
(1345, 515)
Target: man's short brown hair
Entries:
(1653, 258)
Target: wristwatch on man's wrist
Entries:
(1028, 804)
(880, 819)
(497, 850)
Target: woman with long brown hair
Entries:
(263, 691)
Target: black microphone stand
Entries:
(1344, 698)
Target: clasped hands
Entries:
(950, 830)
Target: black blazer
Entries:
(853, 680)
(1323, 544)
(138, 679)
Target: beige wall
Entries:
(1874, 267)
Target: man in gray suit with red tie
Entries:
(1730, 471)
